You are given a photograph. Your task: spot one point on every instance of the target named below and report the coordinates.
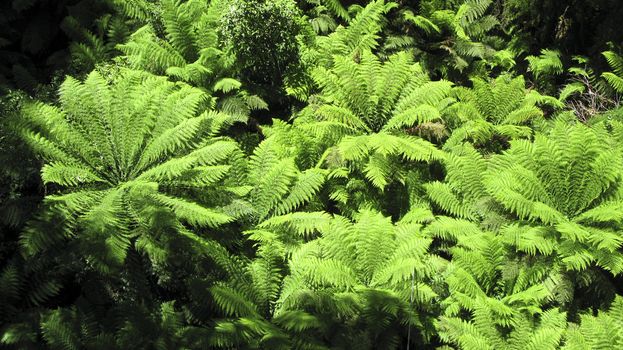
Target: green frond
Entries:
(191, 212)
(570, 90)
(453, 229)
(178, 18)
(141, 10)
(443, 195)
(503, 189)
(417, 115)
(232, 264)
(342, 115)
(377, 170)
(410, 148)
(421, 22)
(473, 9)
(144, 50)
(614, 80)
(463, 333)
(615, 61)
(67, 175)
(361, 33)
(417, 214)
(303, 223)
(297, 321)
(58, 333)
(273, 185)
(303, 190)
(601, 331)
(172, 140)
(232, 302)
(547, 63)
(530, 239)
(522, 115)
(227, 85)
(607, 211)
(330, 273)
(549, 335)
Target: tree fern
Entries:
(352, 264)
(601, 331)
(340, 277)
(567, 182)
(361, 126)
(359, 36)
(461, 38)
(501, 107)
(189, 47)
(117, 148)
(396, 92)
(190, 52)
(505, 302)
(467, 335)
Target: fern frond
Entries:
(232, 302)
(304, 189)
(191, 212)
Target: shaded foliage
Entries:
(323, 174)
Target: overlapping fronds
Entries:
(361, 34)
(614, 78)
(114, 150)
(564, 180)
(366, 94)
(353, 263)
(601, 331)
(501, 107)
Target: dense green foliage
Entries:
(318, 174)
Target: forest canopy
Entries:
(314, 174)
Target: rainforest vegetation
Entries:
(312, 174)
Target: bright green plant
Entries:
(408, 185)
(279, 187)
(360, 36)
(500, 109)
(324, 15)
(546, 333)
(496, 300)
(369, 272)
(545, 65)
(601, 331)
(462, 194)
(115, 152)
(614, 78)
(563, 189)
(189, 51)
(91, 47)
(567, 185)
(366, 95)
(247, 300)
(453, 40)
(364, 123)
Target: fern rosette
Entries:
(566, 186)
(118, 153)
